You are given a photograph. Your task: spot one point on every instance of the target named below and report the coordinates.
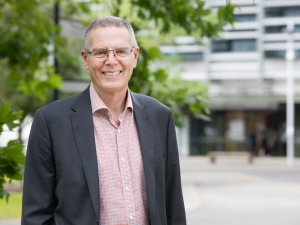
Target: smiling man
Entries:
(107, 156)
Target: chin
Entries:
(114, 89)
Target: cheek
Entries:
(94, 66)
(93, 71)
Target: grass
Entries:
(12, 208)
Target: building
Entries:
(246, 70)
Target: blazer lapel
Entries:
(82, 123)
(145, 134)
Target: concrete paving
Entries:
(232, 192)
(10, 222)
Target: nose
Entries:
(111, 57)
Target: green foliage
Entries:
(11, 155)
(153, 21)
(29, 38)
(191, 15)
(180, 95)
(26, 39)
(68, 58)
(161, 17)
(8, 117)
(27, 34)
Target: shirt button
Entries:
(123, 159)
(127, 188)
(131, 217)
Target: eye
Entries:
(122, 51)
(100, 52)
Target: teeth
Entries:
(111, 73)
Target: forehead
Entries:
(109, 37)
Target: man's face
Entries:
(110, 74)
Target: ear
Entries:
(136, 52)
(84, 57)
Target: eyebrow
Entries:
(96, 48)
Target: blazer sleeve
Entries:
(39, 176)
(174, 198)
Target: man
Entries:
(107, 156)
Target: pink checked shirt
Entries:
(123, 198)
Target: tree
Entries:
(11, 156)
(27, 44)
(160, 17)
(195, 19)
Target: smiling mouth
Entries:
(111, 73)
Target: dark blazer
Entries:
(61, 184)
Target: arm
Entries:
(39, 176)
(174, 198)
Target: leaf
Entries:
(13, 151)
(8, 116)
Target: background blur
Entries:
(230, 70)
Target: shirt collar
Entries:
(98, 104)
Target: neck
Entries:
(115, 101)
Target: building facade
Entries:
(246, 71)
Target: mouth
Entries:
(111, 73)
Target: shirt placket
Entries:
(109, 171)
(125, 172)
(137, 173)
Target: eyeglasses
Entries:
(102, 53)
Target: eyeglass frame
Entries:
(109, 50)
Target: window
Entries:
(245, 45)
(275, 29)
(280, 29)
(292, 11)
(221, 46)
(192, 56)
(245, 17)
(297, 29)
(275, 54)
(186, 56)
(283, 11)
(280, 54)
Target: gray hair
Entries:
(110, 21)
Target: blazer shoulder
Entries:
(56, 105)
(150, 102)
(74, 103)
